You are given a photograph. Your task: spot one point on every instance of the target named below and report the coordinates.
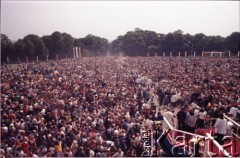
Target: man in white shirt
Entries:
(220, 128)
(120, 153)
(233, 111)
(170, 118)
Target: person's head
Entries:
(119, 150)
(221, 115)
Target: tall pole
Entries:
(80, 53)
(74, 52)
(37, 58)
(164, 54)
(179, 54)
(8, 60)
(192, 49)
(185, 53)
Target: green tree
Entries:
(6, 48)
(233, 42)
(34, 46)
(199, 42)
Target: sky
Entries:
(109, 19)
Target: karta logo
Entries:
(184, 146)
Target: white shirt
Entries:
(202, 115)
(91, 153)
(170, 117)
(118, 154)
(174, 98)
(233, 111)
(221, 126)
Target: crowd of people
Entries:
(100, 106)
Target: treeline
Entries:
(133, 43)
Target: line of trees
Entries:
(133, 43)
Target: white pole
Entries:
(18, 59)
(170, 54)
(7, 59)
(80, 54)
(218, 145)
(148, 54)
(220, 54)
(229, 53)
(238, 53)
(37, 58)
(76, 48)
(211, 54)
(179, 54)
(185, 53)
(74, 52)
(164, 54)
(202, 53)
(66, 56)
(194, 54)
(47, 57)
(155, 54)
(57, 57)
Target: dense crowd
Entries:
(100, 106)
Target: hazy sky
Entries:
(109, 19)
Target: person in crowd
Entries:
(169, 117)
(190, 122)
(220, 128)
(181, 116)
